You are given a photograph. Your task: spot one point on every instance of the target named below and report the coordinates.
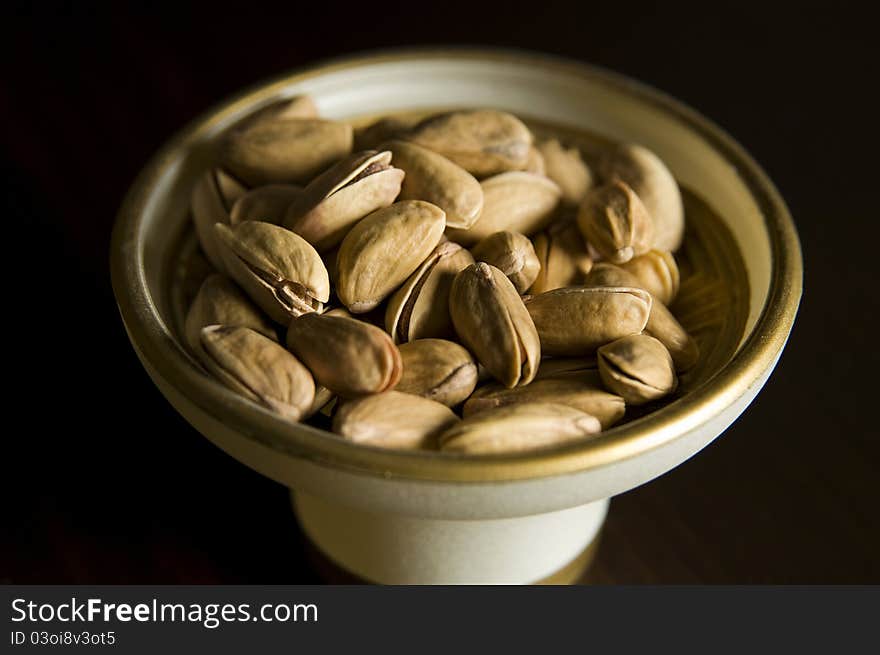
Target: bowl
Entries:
(423, 517)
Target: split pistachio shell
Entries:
(393, 420)
(657, 272)
(348, 356)
(212, 199)
(562, 258)
(566, 167)
(278, 269)
(432, 177)
(516, 201)
(420, 308)
(483, 141)
(384, 249)
(518, 427)
(491, 320)
(285, 151)
(267, 203)
(341, 196)
(437, 369)
(615, 222)
(258, 368)
(587, 396)
(649, 177)
(535, 162)
(637, 367)
(575, 321)
(511, 253)
(220, 302)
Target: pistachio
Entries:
(420, 308)
(518, 427)
(266, 203)
(637, 367)
(515, 201)
(220, 302)
(323, 398)
(615, 222)
(483, 141)
(562, 257)
(492, 322)
(649, 177)
(511, 253)
(342, 195)
(575, 321)
(393, 420)
(657, 272)
(437, 369)
(285, 151)
(258, 368)
(567, 367)
(565, 167)
(212, 198)
(535, 162)
(384, 249)
(585, 395)
(301, 106)
(381, 131)
(432, 177)
(348, 356)
(278, 269)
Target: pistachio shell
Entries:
(384, 249)
(437, 369)
(615, 222)
(518, 427)
(657, 272)
(492, 322)
(565, 167)
(381, 131)
(576, 321)
(562, 257)
(212, 198)
(637, 367)
(564, 367)
(393, 420)
(301, 106)
(342, 195)
(267, 203)
(511, 253)
(535, 162)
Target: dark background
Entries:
(106, 483)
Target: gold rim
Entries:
(756, 356)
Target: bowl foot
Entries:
(551, 548)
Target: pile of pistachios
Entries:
(447, 283)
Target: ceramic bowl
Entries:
(414, 517)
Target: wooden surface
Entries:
(106, 483)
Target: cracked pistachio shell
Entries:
(518, 427)
(565, 167)
(258, 368)
(564, 367)
(649, 177)
(393, 420)
(212, 199)
(483, 141)
(347, 356)
(575, 321)
(661, 323)
(285, 151)
(587, 396)
(562, 257)
(516, 201)
(637, 367)
(492, 322)
(657, 272)
(342, 195)
(511, 253)
(432, 177)
(420, 308)
(383, 250)
(437, 369)
(278, 269)
(220, 302)
(267, 203)
(615, 222)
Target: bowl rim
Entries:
(166, 356)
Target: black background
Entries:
(106, 483)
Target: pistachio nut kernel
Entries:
(437, 369)
(278, 269)
(342, 195)
(657, 272)
(518, 427)
(562, 257)
(637, 367)
(615, 222)
(267, 203)
(566, 167)
(384, 249)
(212, 199)
(393, 420)
(492, 322)
(513, 254)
